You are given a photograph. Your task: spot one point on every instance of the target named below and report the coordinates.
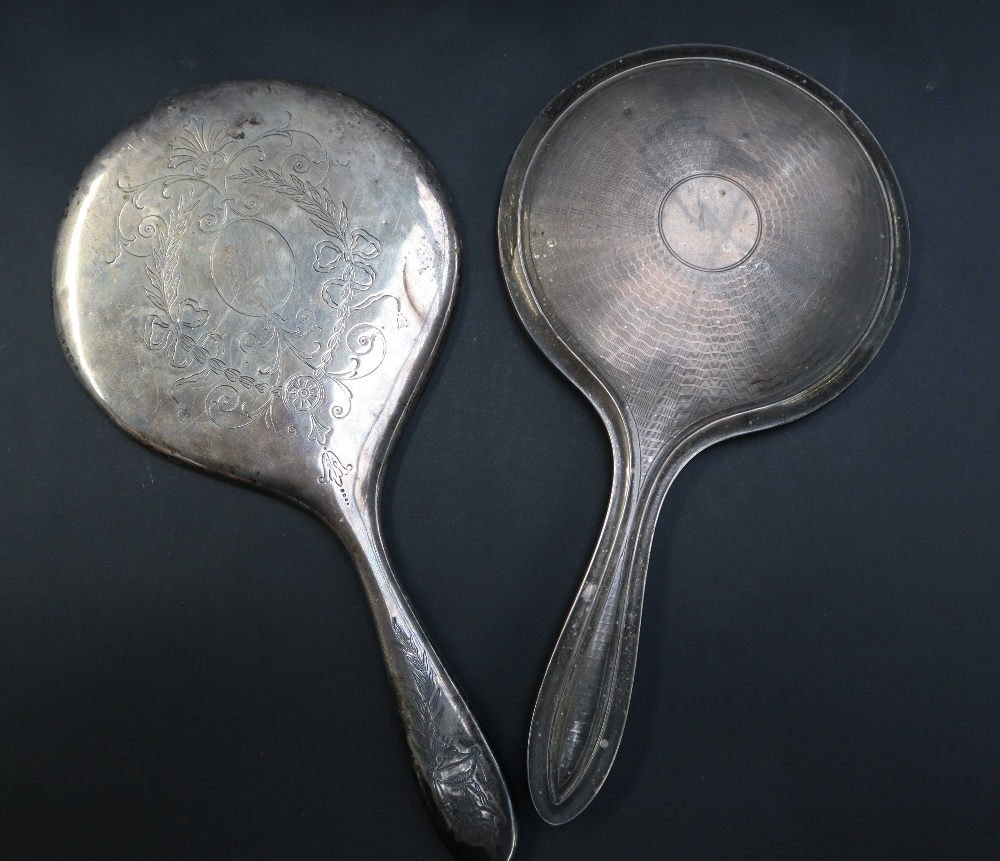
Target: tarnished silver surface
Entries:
(254, 278)
(707, 243)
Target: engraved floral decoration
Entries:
(303, 393)
(241, 331)
(264, 329)
(205, 150)
(344, 254)
(459, 771)
(172, 328)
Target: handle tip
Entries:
(480, 830)
(561, 791)
(559, 809)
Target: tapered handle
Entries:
(461, 781)
(580, 713)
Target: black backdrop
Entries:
(187, 668)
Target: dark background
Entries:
(187, 668)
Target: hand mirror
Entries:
(706, 243)
(254, 278)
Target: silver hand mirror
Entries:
(706, 243)
(254, 278)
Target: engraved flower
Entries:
(346, 260)
(194, 144)
(303, 393)
(210, 162)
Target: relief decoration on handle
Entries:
(459, 772)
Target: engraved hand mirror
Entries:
(706, 243)
(254, 278)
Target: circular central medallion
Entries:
(253, 267)
(709, 222)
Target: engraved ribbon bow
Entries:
(174, 333)
(345, 257)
